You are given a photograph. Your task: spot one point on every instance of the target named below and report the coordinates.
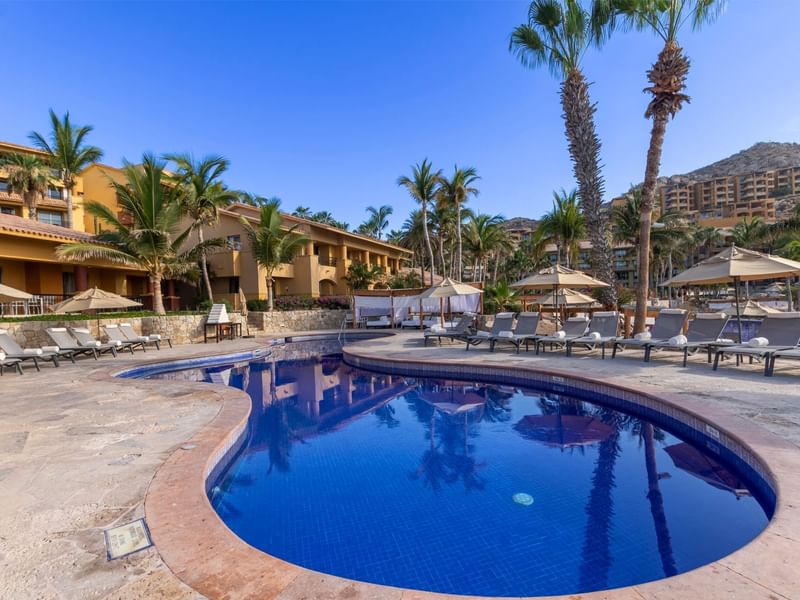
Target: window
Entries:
(8, 210)
(51, 217)
(3, 185)
(235, 242)
(68, 282)
(233, 285)
(54, 193)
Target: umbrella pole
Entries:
(790, 305)
(738, 308)
(555, 304)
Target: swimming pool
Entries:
(469, 488)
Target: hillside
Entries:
(762, 156)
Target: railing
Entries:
(40, 304)
(328, 261)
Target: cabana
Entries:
(408, 307)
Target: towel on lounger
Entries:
(678, 340)
(595, 335)
(643, 336)
(505, 334)
(757, 342)
(32, 351)
(560, 334)
(437, 329)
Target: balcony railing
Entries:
(328, 261)
(41, 304)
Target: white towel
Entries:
(726, 340)
(678, 340)
(595, 335)
(437, 329)
(505, 334)
(32, 351)
(758, 342)
(560, 334)
(156, 336)
(50, 348)
(2, 355)
(483, 333)
(645, 335)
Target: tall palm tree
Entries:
(302, 212)
(271, 245)
(68, 152)
(379, 219)
(456, 191)
(153, 241)
(203, 195)
(482, 235)
(28, 176)
(748, 233)
(557, 34)
(412, 236)
(565, 225)
(667, 78)
(422, 186)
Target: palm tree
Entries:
(557, 34)
(202, 196)
(302, 212)
(455, 192)
(667, 79)
(747, 233)
(482, 235)
(271, 245)
(565, 225)
(422, 186)
(500, 297)
(378, 219)
(412, 236)
(28, 176)
(361, 275)
(67, 152)
(152, 241)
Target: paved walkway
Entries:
(77, 452)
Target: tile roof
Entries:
(19, 225)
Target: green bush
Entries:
(205, 305)
(301, 303)
(92, 317)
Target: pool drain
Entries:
(523, 499)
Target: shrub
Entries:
(301, 303)
(205, 305)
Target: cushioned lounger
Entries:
(782, 332)
(669, 323)
(85, 338)
(703, 334)
(153, 338)
(47, 353)
(14, 363)
(793, 353)
(523, 333)
(502, 322)
(65, 341)
(574, 327)
(602, 330)
(114, 334)
(461, 331)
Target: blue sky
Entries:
(325, 104)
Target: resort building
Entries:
(28, 260)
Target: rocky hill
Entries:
(763, 156)
(520, 223)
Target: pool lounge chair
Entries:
(85, 338)
(14, 363)
(770, 367)
(65, 341)
(603, 330)
(781, 332)
(703, 334)
(114, 334)
(382, 321)
(153, 338)
(46, 353)
(523, 333)
(503, 321)
(462, 329)
(668, 324)
(574, 327)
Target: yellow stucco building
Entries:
(28, 260)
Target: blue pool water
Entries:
(469, 488)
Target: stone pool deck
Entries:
(78, 451)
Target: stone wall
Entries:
(280, 321)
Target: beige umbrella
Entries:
(751, 308)
(736, 264)
(446, 289)
(566, 297)
(10, 294)
(557, 277)
(93, 299)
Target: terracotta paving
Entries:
(79, 449)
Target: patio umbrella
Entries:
(10, 294)
(563, 431)
(557, 277)
(736, 264)
(751, 308)
(690, 459)
(445, 289)
(567, 297)
(93, 299)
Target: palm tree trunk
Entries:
(496, 264)
(158, 297)
(441, 254)
(204, 267)
(459, 268)
(656, 499)
(584, 148)
(427, 240)
(270, 303)
(68, 200)
(30, 200)
(668, 76)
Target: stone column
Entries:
(81, 278)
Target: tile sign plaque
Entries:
(127, 539)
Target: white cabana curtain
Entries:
(376, 306)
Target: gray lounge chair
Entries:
(603, 330)
(669, 323)
(502, 322)
(464, 328)
(85, 338)
(14, 363)
(65, 341)
(47, 353)
(114, 334)
(153, 338)
(782, 330)
(523, 333)
(574, 327)
(769, 369)
(703, 334)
